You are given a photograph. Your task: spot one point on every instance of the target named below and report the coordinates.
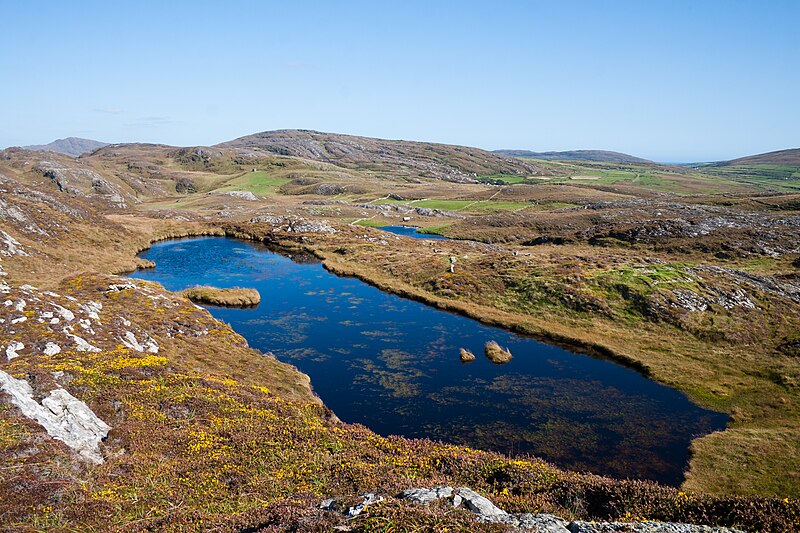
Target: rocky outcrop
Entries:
(452, 163)
(244, 195)
(63, 416)
(486, 511)
(294, 224)
(185, 186)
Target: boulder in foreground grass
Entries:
(497, 354)
(233, 297)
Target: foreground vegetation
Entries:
(208, 434)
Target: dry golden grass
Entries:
(230, 297)
(466, 356)
(496, 353)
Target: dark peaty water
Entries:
(393, 365)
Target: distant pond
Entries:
(411, 231)
(393, 365)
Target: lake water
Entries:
(411, 231)
(393, 365)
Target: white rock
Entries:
(19, 320)
(11, 245)
(479, 505)
(20, 305)
(92, 309)
(130, 341)
(82, 345)
(422, 495)
(86, 324)
(150, 344)
(13, 348)
(64, 313)
(117, 287)
(51, 348)
(63, 416)
(244, 195)
(369, 499)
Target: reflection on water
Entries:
(393, 365)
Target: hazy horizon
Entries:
(677, 82)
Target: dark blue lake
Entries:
(411, 231)
(393, 365)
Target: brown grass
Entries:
(232, 297)
(466, 355)
(496, 353)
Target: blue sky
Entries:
(667, 80)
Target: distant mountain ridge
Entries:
(74, 146)
(600, 156)
(789, 157)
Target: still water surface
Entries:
(393, 365)
(411, 231)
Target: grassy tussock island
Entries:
(497, 354)
(233, 297)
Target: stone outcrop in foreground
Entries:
(486, 511)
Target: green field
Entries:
(260, 182)
(778, 178)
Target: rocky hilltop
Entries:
(442, 161)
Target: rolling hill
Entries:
(600, 156)
(416, 159)
(789, 157)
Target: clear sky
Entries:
(668, 80)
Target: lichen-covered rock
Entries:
(244, 195)
(423, 495)
(63, 416)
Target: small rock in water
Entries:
(497, 354)
(466, 356)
